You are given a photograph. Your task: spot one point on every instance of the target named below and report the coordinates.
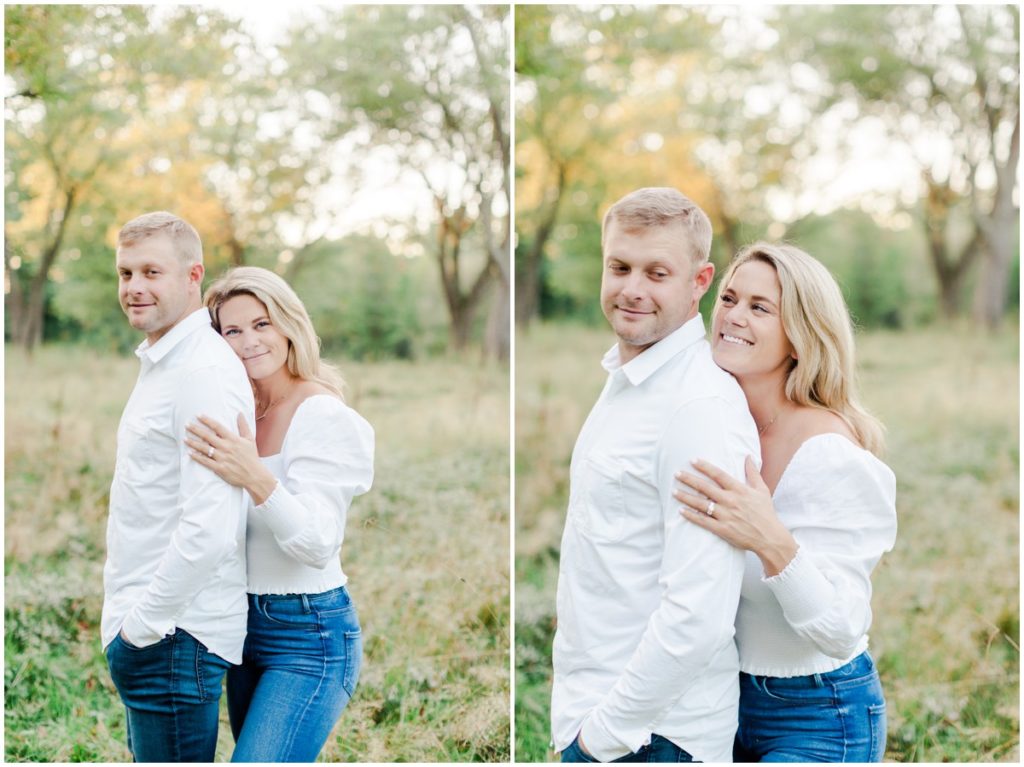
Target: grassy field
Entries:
(426, 552)
(946, 603)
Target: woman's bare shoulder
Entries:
(814, 421)
(307, 389)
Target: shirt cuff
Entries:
(599, 743)
(279, 514)
(137, 633)
(801, 590)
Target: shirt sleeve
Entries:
(825, 591)
(700, 579)
(212, 512)
(328, 460)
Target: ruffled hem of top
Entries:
(818, 664)
(305, 586)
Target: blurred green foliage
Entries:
(266, 148)
(773, 120)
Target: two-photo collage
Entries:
(511, 383)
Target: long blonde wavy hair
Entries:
(817, 323)
(287, 314)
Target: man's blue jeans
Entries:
(171, 692)
(660, 749)
(299, 668)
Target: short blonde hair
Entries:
(287, 313)
(184, 237)
(817, 323)
(663, 206)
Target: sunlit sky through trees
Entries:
(856, 161)
(387, 190)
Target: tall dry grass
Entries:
(426, 552)
(946, 619)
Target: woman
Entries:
(814, 522)
(311, 455)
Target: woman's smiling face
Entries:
(245, 324)
(748, 338)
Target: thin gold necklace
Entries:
(271, 405)
(763, 429)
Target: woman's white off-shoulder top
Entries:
(294, 537)
(839, 502)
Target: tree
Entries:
(605, 105)
(424, 85)
(84, 79)
(56, 130)
(945, 81)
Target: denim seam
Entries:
(876, 715)
(200, 677)
(309, 702)
(842, 719)
(851, 684)
(350, 642)
(176, 746)
(291, 625)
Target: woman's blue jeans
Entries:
(838, 716)
(299, 668)
(171, 691)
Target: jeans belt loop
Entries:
(305, 604)
(817, 681)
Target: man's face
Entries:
(156, 289)
(648, 287)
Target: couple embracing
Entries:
(726, 510)
(237, 460)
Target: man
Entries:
(174, 608)
(644, 660)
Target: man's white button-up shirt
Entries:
(176, 532)
(647, 600)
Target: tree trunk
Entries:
(15, 290)
(497, 339)
(460, 327)
(462, 307)
(994, 285)
(997, 230)
(950, 271)
(28, 330)
(528, 275)
(237, 252)
(730, 233)
(730, 229)
(236, 249)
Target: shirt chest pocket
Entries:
(601, 513)
(135, 452)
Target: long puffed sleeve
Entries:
(328, 460)
(844, 522)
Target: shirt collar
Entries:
(173, 337)
(645, 364)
